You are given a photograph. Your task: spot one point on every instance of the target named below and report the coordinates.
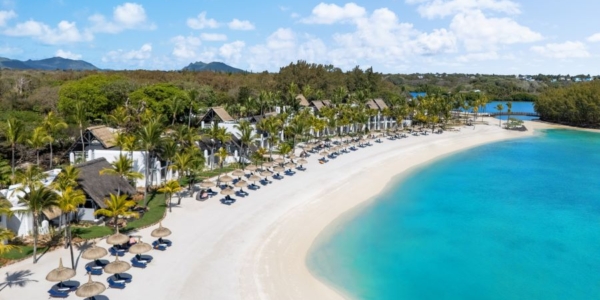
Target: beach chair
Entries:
(93, 271)
(156, 245)
(144, 257)
(66, 286)
(58, 294)
(165, 241)
(123, 276)
(115, 284)
(116, 252)
(137, 263)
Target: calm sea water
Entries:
(516, 106)
(511, 220)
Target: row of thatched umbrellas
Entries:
(94, 288)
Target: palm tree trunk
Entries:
(51, 155)
(170, 204)
(71, 246)
(190, 118)
(82, 145)
(37, 154)
(12, 162)
(146, 179)
(35, 237)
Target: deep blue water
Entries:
(516, 106)
(512, 220)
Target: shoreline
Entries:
(256, 248)
(291, 239)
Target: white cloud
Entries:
(213, 37)
(232, 52)
(331, 13)
(185, 47)
(594, 38)
(201, 22)
(438, 41)
(6, 15)
(125, 16)
(295, 16)
(283, 38)
(132, 57)
(7, 50)
(240, 25)
(480, 56)
(478, 32)
(67, 54)
(443, 8)
(564, 50)
(65, 32)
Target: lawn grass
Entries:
(183, 181)
(91, 232)
(19, 253)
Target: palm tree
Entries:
(500, 108)
(258, 155)
(53, 125)
(508, 111)
(69, 200)
(167, 152)
(38, 139)
(5, 173)
(181, 163)
(122, 167)
(31, 177)
(150, 138)
(284, 149)
(246, 136)
(119, 117)
(117, 206)
(217, 134)
(37, 199)
(15, 133)
(5, 234)
(170, 187)
(80, 117)
(67, 177)
(222, 155)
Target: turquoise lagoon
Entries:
(517, 219)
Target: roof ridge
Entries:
(90, 162)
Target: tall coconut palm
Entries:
(500, 108)
(5, 233)
(122, 167)
(15, 134)
(508, 112)
(170, 187)
(181, 163)
(196, 167)
(246, 136)
(119, 117)
(68, 176)
(5, 173)
(117, 206)
(30, 177)
(39, 137)
(222, 155)
(53, 125)
(150, 138)
(258, 155)
(168, 150)
(37, 199)
(69, 201)
(80, 117)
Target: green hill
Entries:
(54, 63)
(218, 67)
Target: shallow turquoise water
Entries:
(511, 220)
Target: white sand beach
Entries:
(256, 248)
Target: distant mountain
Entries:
(213, 67)
(55, 63)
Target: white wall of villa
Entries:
(156, 171)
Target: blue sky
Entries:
(392, 36)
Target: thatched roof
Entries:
(326, 102)
(99, 187)
(219, 112)
(258, 118)
(380, 103)
(317, 104)
(105, 135)
(372, 105)
(52, 212)
(303, 101)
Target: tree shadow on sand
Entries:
(17, 279)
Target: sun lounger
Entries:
(116, 252)
(144, 257)
(301, 168)
(165, 241)
(93, 271)
(137, 263)
(157, 246)
(58, 294)
(115, 284)
(124, 277)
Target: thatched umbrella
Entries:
(251, 168)
(140, 247)
(266, 173)
(161, 231)
(278, 169)
(61, 273)
(290, 165)
(227, 192)
(225, 179)
(292, 156)
(117, 238)
(241, 184)
(117, 266)
(279, 160)
(324, 153)
(302, 161)
(94, 252)
(267, 164)
(90, 288)
(238, 173)
(254, 178)
(207, 184)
